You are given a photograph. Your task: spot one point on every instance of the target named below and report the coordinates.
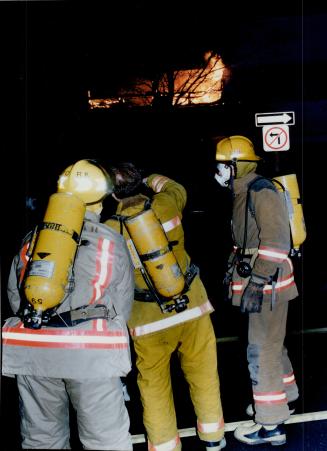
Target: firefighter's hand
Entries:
(251, 301)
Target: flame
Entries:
(202, 85)
(104, 103)
(197, 86)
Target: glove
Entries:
(251, 301)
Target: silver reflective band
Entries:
(223, 174)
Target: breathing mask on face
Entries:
(223, 174)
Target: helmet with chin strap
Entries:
(237, 151)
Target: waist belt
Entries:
(146, 295)
(79, 315)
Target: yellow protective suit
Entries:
(157, 335)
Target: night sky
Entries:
(56, 51)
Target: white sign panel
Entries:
(275, 137)
(284, 117)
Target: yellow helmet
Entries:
(87, 180)
(236, 148)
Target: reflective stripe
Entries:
(158, 183)
(289, 379)
(98, 338)
(99, 325)
(272, 254)
(210, 427)
(161, 324)
(167, 446)
(281, 285)
(237, 287)
(103, 265)
(24, 259)
(171, 224)
(274, 397)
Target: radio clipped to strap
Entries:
(244, 259)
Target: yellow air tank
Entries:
(153, 248)
(54, 252)
(295, 212)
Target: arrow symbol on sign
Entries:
(280, 118)
(276, 134)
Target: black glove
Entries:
(251, 301)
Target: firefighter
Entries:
(260, 281)
(158, 333)
(80, 348)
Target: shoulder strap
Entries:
(260, 183)
(120, 219)
(256, 185)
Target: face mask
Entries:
(223, 174)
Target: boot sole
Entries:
(281, 441)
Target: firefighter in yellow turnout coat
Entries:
(158, 335)
(260, 280)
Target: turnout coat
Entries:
(102, 275)
(268, 240)
(168, 204)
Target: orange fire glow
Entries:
(198, 86)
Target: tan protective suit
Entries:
(267, 249)
(157, 335)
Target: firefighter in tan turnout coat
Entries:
(157, 334)
(260, 280)
(79, 349)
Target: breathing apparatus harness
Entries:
(243, 268)
(50, 317)
(176, 302)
